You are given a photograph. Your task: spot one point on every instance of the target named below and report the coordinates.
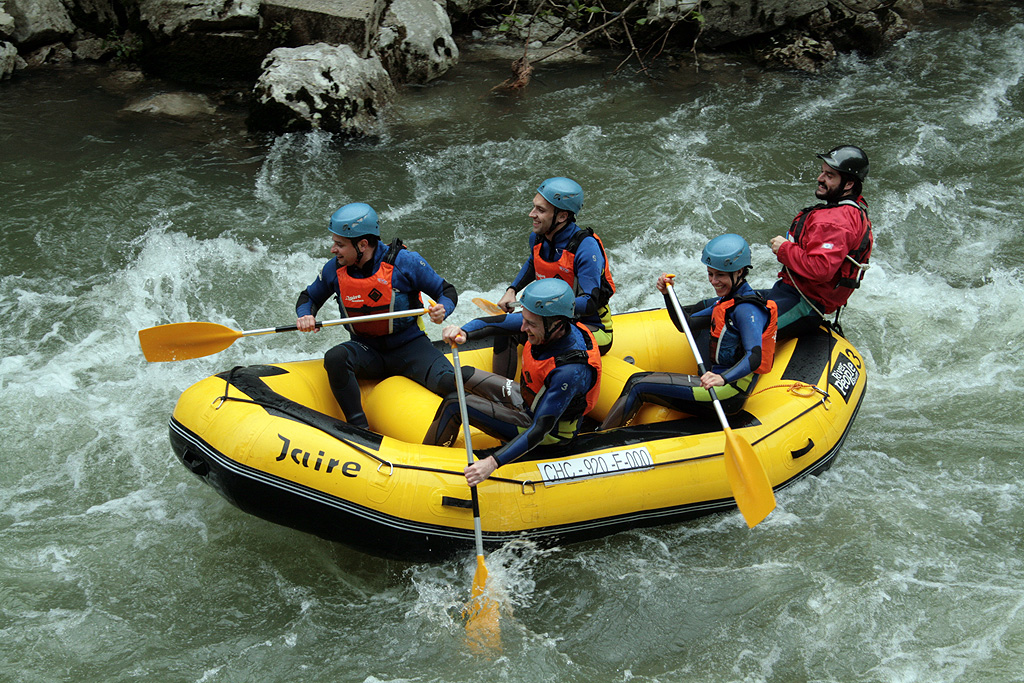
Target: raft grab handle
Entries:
(800, 452)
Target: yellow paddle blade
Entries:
(180, 341)
(748, 479)
(483, 632)
(488, 306)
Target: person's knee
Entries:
(336, 359)
(440, 377)
(632, 384)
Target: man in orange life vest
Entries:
(369, 277)
(560, 381)
(825, 253)
(560, 248)
(742, 343)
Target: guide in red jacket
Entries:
(825, 253)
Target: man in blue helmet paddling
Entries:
(825, 252)
(367, 277)
(561, 249)
(560, 381)
(743, 327)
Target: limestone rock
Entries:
(6, 24)
(39, 22)
(336, 22)
(416, 43)
(177, 105)
(171, 17)
(462, 8)
(727, 21)
(10, 61)
(53, 55)
(322, 86)
(799, 52)
(91, 48)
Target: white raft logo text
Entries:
(844, 377)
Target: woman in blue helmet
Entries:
(742, 326)
(367, 276)
(560, 381)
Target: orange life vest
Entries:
(718, 317)
(536, 371)
(369, 295)
(565, 267)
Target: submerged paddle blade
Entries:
(483, 632)
(488, 306)
(748, 479)
(181, 341)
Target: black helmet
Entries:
(847, 159)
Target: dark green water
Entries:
(902, 563)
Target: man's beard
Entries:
(830, 196)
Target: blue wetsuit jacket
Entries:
(588, 264)
(563, 385)
(411, 275)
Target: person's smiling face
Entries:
(344, 250)
(533, 326)
(830, 184)
(543, 214)
(721, 281)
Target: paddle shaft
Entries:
(746, 474)
(340, 321)
(461, 389)
(696, 354)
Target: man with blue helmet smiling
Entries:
(367, 277)
(560, 381)
(561, 249)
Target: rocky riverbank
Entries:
(338, 65)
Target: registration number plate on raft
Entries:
(589, 466)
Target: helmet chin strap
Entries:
(551, 326)
(552, 228)
(737, 280)
(359, 252)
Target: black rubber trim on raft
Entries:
(812, 353)
(299, 507)
(249, 380)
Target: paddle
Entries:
(747, 476)
(488, 306)
(482, 629)
(181, 341)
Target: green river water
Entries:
(902, 563)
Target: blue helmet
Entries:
(563, 193)
(727, 253)
(355, 220)
(549, 298)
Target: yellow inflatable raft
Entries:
(270, 439)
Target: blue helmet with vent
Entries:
(355, 220)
